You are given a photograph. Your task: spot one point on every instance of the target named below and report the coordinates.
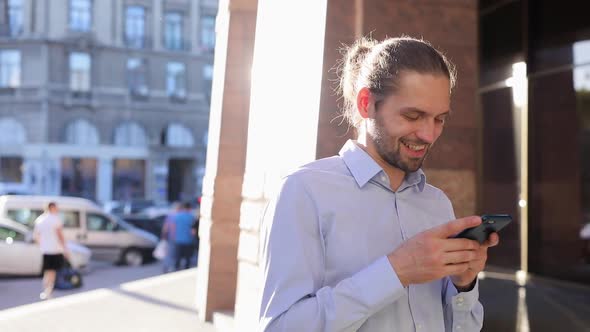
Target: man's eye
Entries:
(412, 117)
(440, 120)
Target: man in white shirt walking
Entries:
(48, 234)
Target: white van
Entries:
(108, 237)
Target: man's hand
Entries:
(463, 281)
(432, 255)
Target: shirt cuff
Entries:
(464, 301)
(379, 284)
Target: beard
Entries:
(389, 148)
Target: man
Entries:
(182, 228)
(360, 241)
(167, 235)
(48, 233)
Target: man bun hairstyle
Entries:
(378, 66)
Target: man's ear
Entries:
(364, 99)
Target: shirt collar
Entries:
(363, 167)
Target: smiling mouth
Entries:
(415, 147)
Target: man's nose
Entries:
(427, 132)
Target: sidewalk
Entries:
(166, 303)
(162, 303)
(544, 305)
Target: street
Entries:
(99, 274)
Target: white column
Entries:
(277, 28)
(104, 179)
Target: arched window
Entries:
(130, 134)
(12, 132)
(81, 132)
(177, 135)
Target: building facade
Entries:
(107, 100)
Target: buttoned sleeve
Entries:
(462, 310)
(293, 295)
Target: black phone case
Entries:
(489, 223)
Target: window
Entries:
(15, 17)
(80, 15)
(81, 132)
(173, 31)
(177, 135)
(97, 222)
(137, 77)
(130, 134)
(78, 177)
(79, 72)
(135, 26)
(17, 132)
(9, 235)
(11, 169)
(208, 72)
(27, 217)
(176, 80)
(10, 69)
(208, 32)
(128, 179)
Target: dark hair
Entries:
(51, 205)
(378, 65)
(186, 205)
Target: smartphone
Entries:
(490, 223)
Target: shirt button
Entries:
(458, 327)
(418, 326)
(383, 178)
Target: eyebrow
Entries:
(422, 112)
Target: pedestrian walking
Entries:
(182, 228)
(48, 233)
(169, 237)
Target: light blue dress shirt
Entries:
(325, 240)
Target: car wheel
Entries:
(133, 257)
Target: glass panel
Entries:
(98, 222)
(499, 180)
(208, 32)
(10, 69)
(135, 26)
(15, 17)
(559, 167)
(176, 80)
(81, 132)
(80, 72)
(11, 169)
(78, 177)
(128, 179)
(17, 132)
(27, 216)
(130, 134)
(173, 31)
(80, 15)
(137, 76)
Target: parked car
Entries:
(107, 236)
(147, 223)
(127, 207)
(19, 255)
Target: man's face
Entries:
(53, 209)
(406, 124)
